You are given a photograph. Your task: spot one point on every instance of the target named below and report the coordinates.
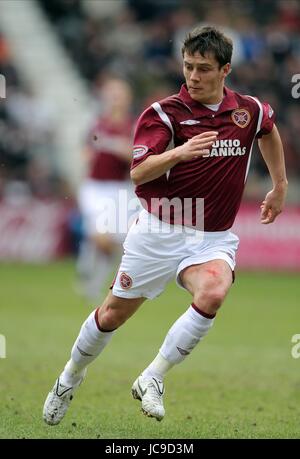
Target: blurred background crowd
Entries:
(26, 136)
(140, 42)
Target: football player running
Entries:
(212, 130)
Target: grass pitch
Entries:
(240, 382)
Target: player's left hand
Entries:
(272, 206)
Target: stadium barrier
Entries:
(33, 230)
(275, 246)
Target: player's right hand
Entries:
(198, 145)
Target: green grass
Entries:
(240, 382)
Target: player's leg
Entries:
(96, 260)
(99, 251)
(94, 335)
(94, 266)
(96, 332)
(208, 283)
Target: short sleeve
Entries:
(267, 121)
(152, 136)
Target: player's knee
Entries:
(210, 299)
(111, 318)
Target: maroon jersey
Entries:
(103, 142)
(219, 177)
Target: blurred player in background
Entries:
(212, 130)
(108, 156)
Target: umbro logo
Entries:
(182, 351)
(190, 122)
(85, 354)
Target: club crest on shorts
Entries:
(125, 281)
(241, 117)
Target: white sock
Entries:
(158, 368)
(185, 334)
(89, 344)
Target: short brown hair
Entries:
(209, 40)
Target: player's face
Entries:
(116, 94)
(204, 77)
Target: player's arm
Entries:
(156, 165)
(121, 147)
(271, 149)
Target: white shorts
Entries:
(156, 252)
(102, 202)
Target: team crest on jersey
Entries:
(139, 151)
(241, 117)
(125, 281)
